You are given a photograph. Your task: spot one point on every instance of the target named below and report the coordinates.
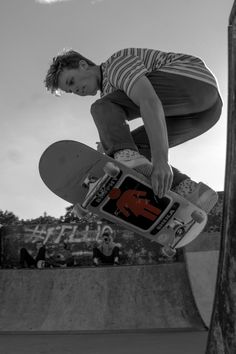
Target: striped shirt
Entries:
(124, 67)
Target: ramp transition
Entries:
(159, 297)
(98, 299)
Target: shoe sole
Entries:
(144, 169)
(207, 200)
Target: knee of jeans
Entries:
(99, 108)
(210, 117)
(215, 112)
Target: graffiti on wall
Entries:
(82, 237)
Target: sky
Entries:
(33, 32)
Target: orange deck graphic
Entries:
(133, 202)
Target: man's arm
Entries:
(152, 113)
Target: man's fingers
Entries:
(169, 184)
(162, 187)
(158, 185)
(162, 183)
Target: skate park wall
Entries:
(135, 297)
(81, 238)
(98, 299)
(174, 296)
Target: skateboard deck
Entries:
(99, 184)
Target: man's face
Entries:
(39, 244)
(61, 247)
(106, 239)
(81, 81)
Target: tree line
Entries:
(8, 218)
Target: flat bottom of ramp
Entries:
(129, 343)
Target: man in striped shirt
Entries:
(175, 94)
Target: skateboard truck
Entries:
(94, 185)
(180, 229)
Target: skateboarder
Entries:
(175, 94)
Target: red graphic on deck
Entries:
(134, 202)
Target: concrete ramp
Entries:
(98, 299)
(201, 257)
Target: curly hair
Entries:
(68, 59)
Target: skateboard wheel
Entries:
(79, 211)
(197, 216)
(111, 169)
(168, 251)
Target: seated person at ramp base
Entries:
(47, 257)
(106, 252)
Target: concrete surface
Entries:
(201, 259)
(160, 297)
(125, 343)
(96, 299)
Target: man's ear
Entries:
(83, 65)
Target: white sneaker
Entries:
(116, 261)
(197, 193)
(95, 261)
(133, 159)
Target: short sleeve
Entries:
(124, 71)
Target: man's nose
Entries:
(77, 91)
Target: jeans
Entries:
(106, 259)
(191, 108)
(26, 258)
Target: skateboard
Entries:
(95, 183)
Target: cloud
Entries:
(14, 155)
(94, 2)
(49, 1)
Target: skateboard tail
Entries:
(62, 168)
